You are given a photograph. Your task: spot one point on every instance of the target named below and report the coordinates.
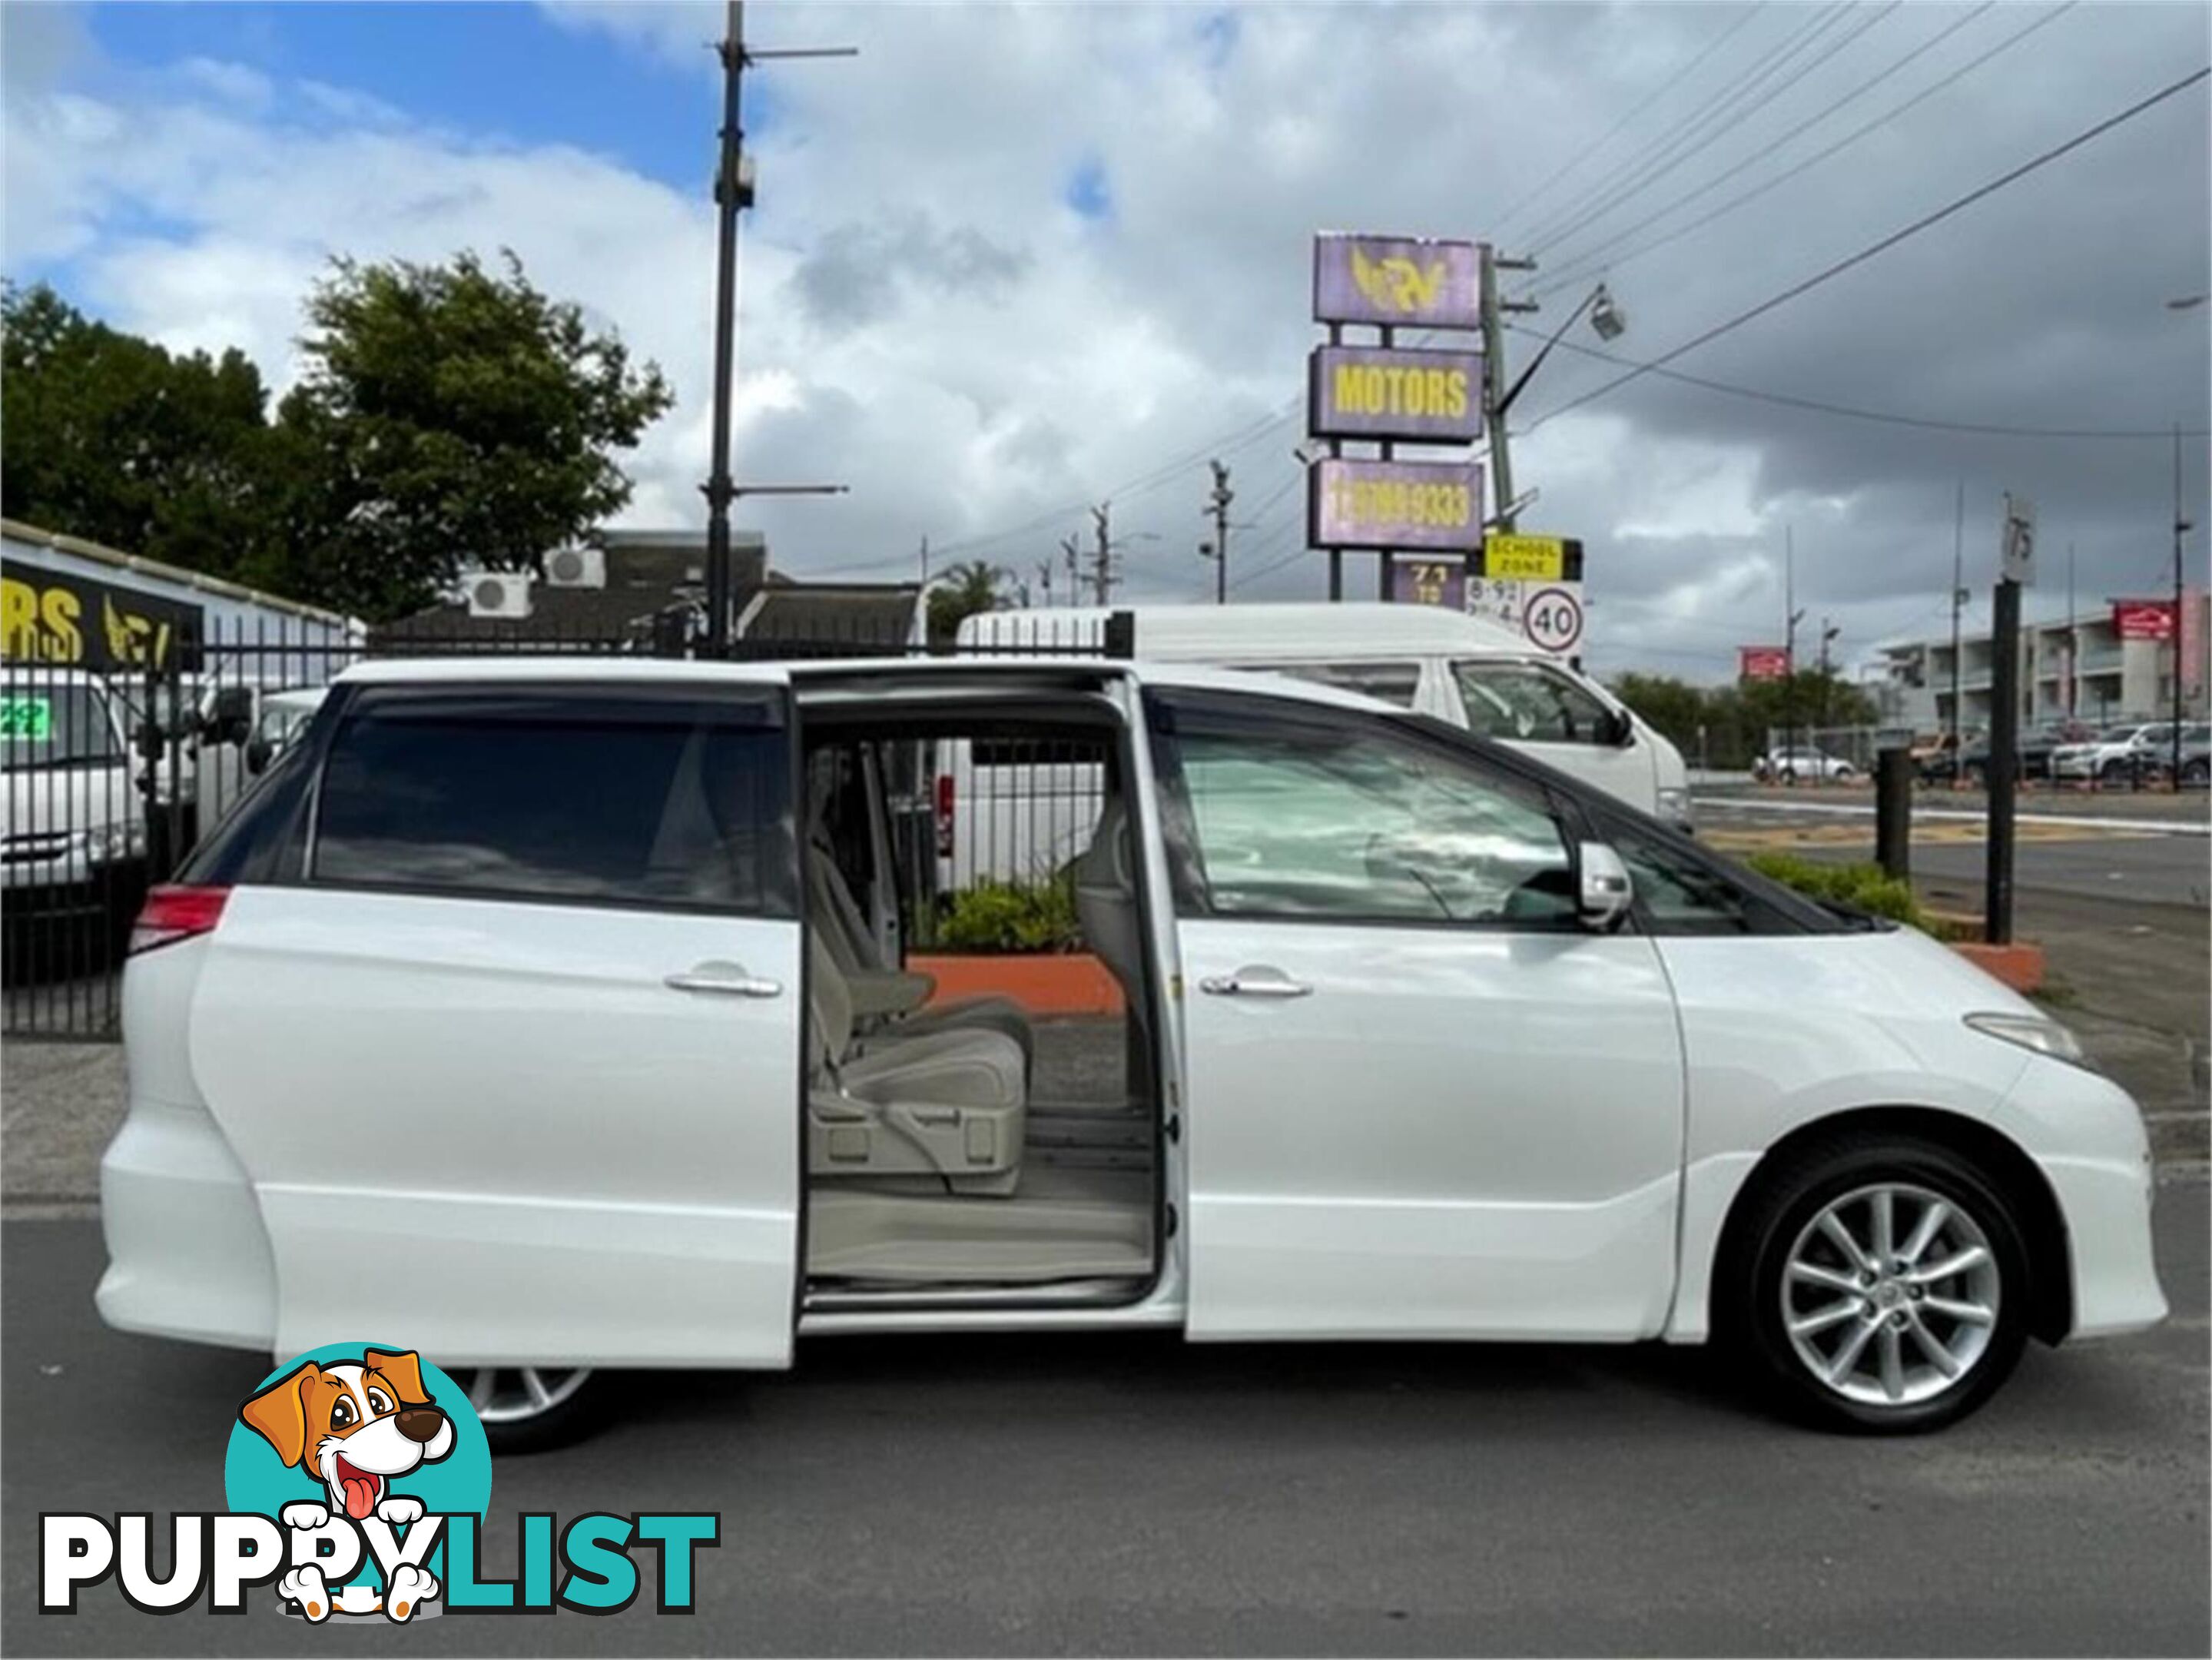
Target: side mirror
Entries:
(229, 716)
(1605, 890)
(258, 750)
(1619, 730)
(151, 743)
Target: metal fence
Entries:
(113, 777)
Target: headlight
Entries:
(123, 839)
(1675, 805)
(2031, 1032)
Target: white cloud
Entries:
(925, 319)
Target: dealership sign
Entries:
(1395, 280)
(1762, 663)
(2143, 619)
(1424, 581)
(1380, 392)
(54, 616)
(1425, 506)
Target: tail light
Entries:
(172, 913)
(945, 815)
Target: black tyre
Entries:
(536, 1409)
(1976, 776)
(2195, 774)
(1844, 775)
(2112, 771)
(1876, 1285)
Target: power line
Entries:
(1622, 126)
(1237, 439)
(1879, 248)
(1740, 105)
(1669, 136)
(1824, 407)
(1614, 262)
(1571, 263)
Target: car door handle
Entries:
(1255, 982)
(729, 979)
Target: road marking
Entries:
(1751, 837)
(1920, 814)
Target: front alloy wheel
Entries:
(1890, 1295)
(524, 1409)
(1876, 1283)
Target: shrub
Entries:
(1868, 887)
(1002, 916)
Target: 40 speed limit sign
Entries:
(1548, 614)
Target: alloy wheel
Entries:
(1890, 1294)
(515, 1394)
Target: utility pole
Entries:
(1044, 577)
(1101, 569)
(925, 562)
(733, 192)
(2181, 529)
(1217, 548)
(1069, 548)
(1957, 600)
(1790, 617)
(1494, 397)
(2072, 640)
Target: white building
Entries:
(2082, 670)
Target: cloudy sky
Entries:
(1009, 261)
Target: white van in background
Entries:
(1457, 668)
(76, 844)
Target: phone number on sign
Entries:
(1394, 501)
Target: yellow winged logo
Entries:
(1396, 284)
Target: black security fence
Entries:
(113, 777)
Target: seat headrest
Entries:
(829, 1005)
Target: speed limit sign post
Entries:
(1553, 617)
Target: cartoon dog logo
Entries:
(354, 1427)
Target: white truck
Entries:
(1009, 813)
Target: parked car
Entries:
(1009, 811)
(75, 858)
(2034, 749)
(2196, 757)
(1789, 766)
(2115, 753)
(1428, 1040)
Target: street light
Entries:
(1607, 318)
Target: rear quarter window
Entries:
(616, 799)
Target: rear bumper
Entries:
(187, 1256)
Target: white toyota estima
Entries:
(550, 1016)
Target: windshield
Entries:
(61, 725)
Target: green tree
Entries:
(449, 417)
(113, 438)
(962, 593)
(1674, 708)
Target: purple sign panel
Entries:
(1397, 281)
(1425, 506)
(1441, 580)
(1378, 392)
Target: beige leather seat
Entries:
(933, 1112)
(1106, 903)
(887, 997)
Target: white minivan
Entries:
(1006, 814)
(1418, 1039)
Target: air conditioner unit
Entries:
(576, 568)
(498, 594)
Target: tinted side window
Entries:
(1393, 683)
(1360, 822)
(260, 839)
(1529, 704)
(622, 798)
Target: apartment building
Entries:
(2082, 670)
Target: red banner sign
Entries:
(2143, 619)
(1762, 663)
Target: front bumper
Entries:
(2086, 1134)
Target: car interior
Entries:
(963, 1148)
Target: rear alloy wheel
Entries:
(1881, 1286)
(2195, 774)
(527, 1408)
(2112, 771)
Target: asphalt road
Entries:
(1019, 1495)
